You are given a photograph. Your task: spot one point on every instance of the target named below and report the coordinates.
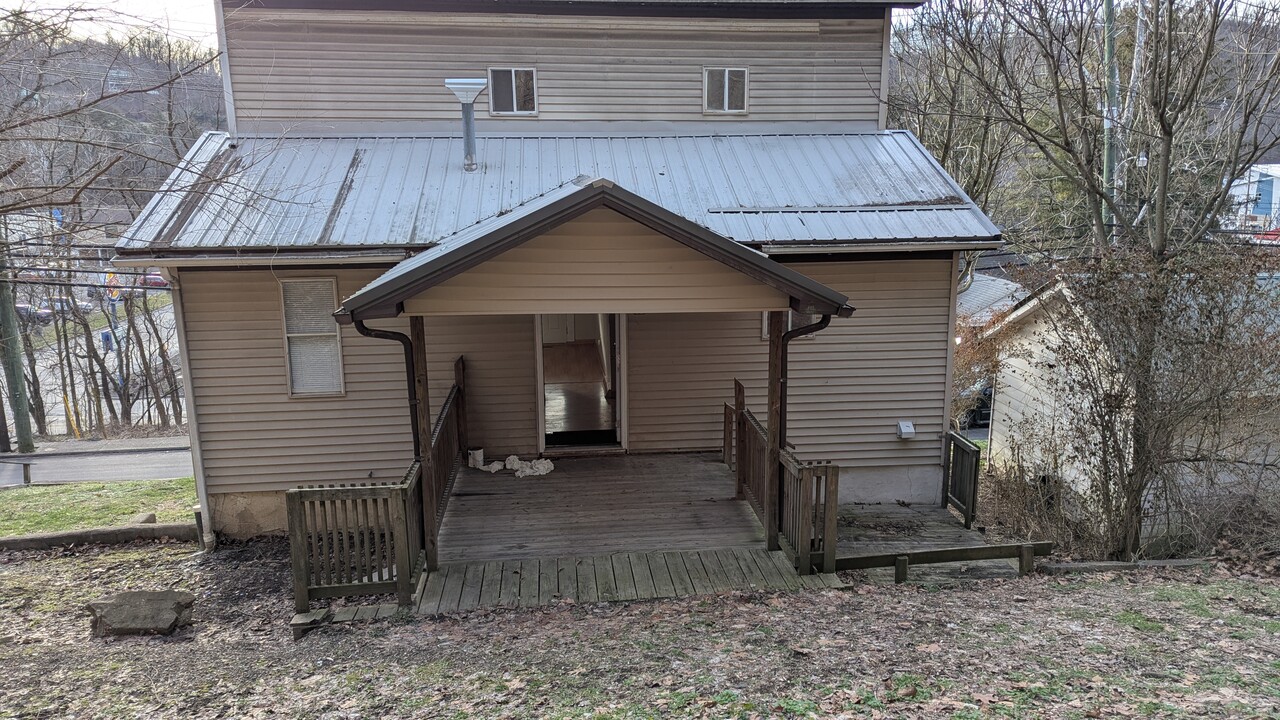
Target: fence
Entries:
(361, 539)
(960, 462)
(808, 518)
(796, 504)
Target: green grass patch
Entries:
(1138, 621)
(85, 505)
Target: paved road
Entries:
(100, 467)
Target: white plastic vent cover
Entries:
(312, 336)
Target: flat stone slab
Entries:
(140, 612)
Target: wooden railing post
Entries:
(400, 546)
(946, 469)
(830, 519)
(299, 552)
(739, 431)
(726, 445)
(460, 379)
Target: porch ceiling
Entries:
(600, 270)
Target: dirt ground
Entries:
(1202, 643)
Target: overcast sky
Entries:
(190, 19)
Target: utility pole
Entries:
(11, 348)
(1109, 115)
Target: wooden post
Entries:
(900, 569)
(400, 539)
(726, 435)
(773, 465)
(299, 552)
(460, 379)
(1026, 559)
(946, 469)
(739, 453)
(418, 336)
(830, 521)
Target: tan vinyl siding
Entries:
(502, 385)
(680, 373)
(849, 386)
(253, 435)
(601, 262)
(330, 67)
(888, 362)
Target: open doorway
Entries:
(580, 369)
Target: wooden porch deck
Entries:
(609, 578)
(597, 506)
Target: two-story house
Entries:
(662, 197)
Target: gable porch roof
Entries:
(385, 296)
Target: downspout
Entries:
(409, 371)
(787, 337)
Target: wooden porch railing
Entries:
(356, 539)
(808, 517)
(361, 539)
(798, 513)
(960, 462)
(448, 443)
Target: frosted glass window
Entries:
(312, 339)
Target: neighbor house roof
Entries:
(986, 297)
(484, 240)
(785, 192)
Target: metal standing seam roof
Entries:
(987, 297)
(411, 192)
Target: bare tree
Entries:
(1160, 339)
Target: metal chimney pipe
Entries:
(469, 137)
(466, 90)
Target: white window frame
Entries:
(746, 90)
(285, 334)
(513, 113)
(791, 315)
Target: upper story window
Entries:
(724, 90)
(312, 339)
(513, 91)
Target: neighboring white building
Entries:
(1258, 198)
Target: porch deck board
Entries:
(603, 505)
(461, 587)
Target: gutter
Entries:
(409, 370)
(255, 260)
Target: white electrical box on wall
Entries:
(906, 429)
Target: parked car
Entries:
(153, 280)
(67, 305)
(32, 314)
(980, 414)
